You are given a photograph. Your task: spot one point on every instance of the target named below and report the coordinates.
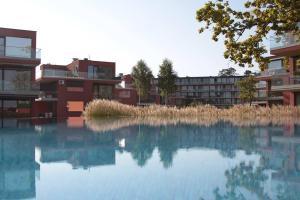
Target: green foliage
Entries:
(142, 76)
(247, 88)
(227, 72)
(166, 78)
(245, 30)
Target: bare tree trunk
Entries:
(139, 96)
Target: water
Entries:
(73, 160)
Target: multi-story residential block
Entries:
(221, 91)
(66, 89)
(282, 75)
(18, 59)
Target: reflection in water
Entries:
(168, 150)
(17, 164)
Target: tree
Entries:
(142, 76)
(227, 72)
(247, 88)
(166, 79)
(245, 30)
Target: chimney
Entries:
(74, 59)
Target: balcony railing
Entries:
(20, 52)
(53, 73)
(273, 72)
(19, 88)
(283, 41)
(285, 83)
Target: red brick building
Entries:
(66, 89)
(127, 94)
(282, 78)
(18, 59)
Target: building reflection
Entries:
(277, 146)
(18, 168)
(76, 146)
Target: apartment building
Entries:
(18, 59)
(221, 91)
(282, 75)
(66, 89)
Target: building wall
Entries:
(126, 96)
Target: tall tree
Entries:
(247, 88)
(142, 76)
(244, 31)
(166, 79)
(227, 72)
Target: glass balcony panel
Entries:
(283, 41)
(19, 52)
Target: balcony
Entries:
(20, 55)
(9, 88)
(285, 45)
(54, 73)
(47, 96)
(286, 84)
(272, 72)
(20, 52)
(284, 41)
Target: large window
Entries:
(18, 47)
(15, 80)
(103, 91)
(2, 43)
(15, 108)
(98, 72)
(275, 64)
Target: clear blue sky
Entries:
(122, 31)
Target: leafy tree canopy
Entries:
(228, 72)
(247, 88)
(245, 30)
(142, 76)
(166, 78)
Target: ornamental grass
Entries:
(105, 108)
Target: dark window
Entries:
(98, 72)
(103, 91)
(2, 46)
(14, 80)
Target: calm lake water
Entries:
(74, 160)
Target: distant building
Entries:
(221, 91)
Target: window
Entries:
(275, 64)
(2, 49)
(103, 91)
(1, 81)
(98, 72)
(18, 47)
(15, 80)
(16, 108)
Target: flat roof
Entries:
(14, 29)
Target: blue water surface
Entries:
(74, 160)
